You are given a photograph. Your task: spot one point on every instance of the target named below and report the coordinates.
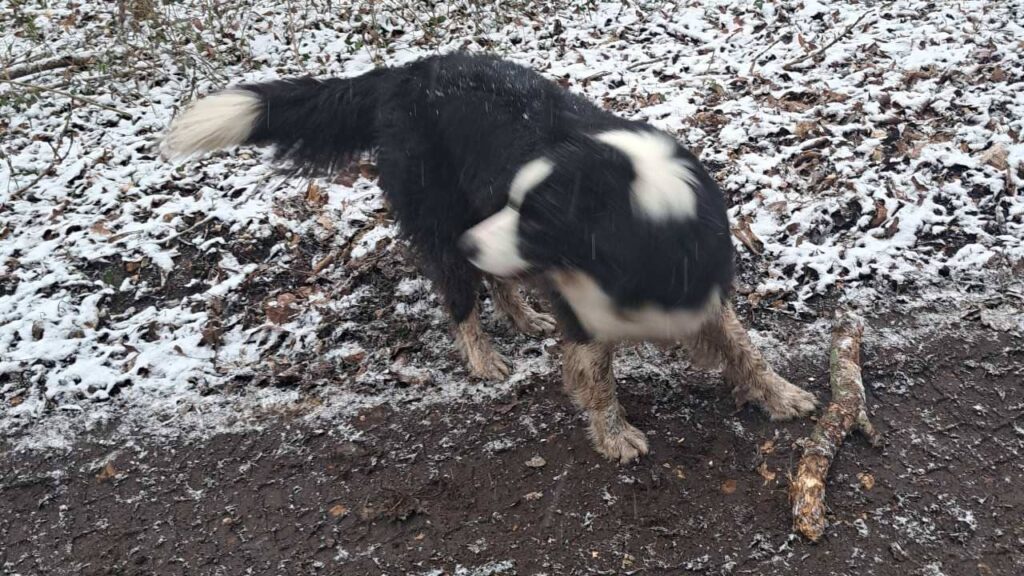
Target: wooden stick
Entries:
(820, 53)
(16, 72)
(33, 87)
(846, 412)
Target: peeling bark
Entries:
(847, 412)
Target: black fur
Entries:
(452, 131)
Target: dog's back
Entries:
(629, 207)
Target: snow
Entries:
(899, 114)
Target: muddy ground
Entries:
(446, 489)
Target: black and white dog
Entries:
(493, 171)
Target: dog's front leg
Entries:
(589, 380)
(723, 340)
(510, 302)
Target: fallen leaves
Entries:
(107, 472)
(867, 481)
(766, 474)
(744, 234)
(337, 511)
(282, 309)
(996, 157)
(99, 228)
(881, 214)
(728, 487)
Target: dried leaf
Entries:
(744, 234)
(804, 129)
(100, 229)
(996, 157)
(867, 481)
(315, 195)
(410, 375)
(728, 487)
(768, 447)
(353, 356)
(337, 511)
(107, 472)
(881, 213)
(281, 310)
(768, 475)
(368, 170)
(212, 335)
(892, 228)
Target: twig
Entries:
(753, 62)
(14, 73)
(320, 265)
(847, 412)
(186, 230)
(57, 158)
(646, 63)
(788, 66)
(596, 76)
(27, 86)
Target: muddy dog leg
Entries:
(723, 341)
(591, 384)
(510, 302)
(484, 361)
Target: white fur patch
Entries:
(605, 321)
(664, 186)
(217, 121)
(496, 241)
(529, 176)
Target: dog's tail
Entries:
(315, 124)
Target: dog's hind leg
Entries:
(722, 340)
(433, 217)
(511, 303)
(459, 285)
(476, 348)
(590, 382)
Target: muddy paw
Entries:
(623, 446)
(489, 366)
(536, 323)
(780, 399)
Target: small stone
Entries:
(533, 496)
(536, 462)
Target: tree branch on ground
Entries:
(847, 412)
(14, 73)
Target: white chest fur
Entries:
(605, 321)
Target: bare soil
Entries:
(447, 489)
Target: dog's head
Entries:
(611, 205)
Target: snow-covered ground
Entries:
(867, 149)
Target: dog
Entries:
(495, 173)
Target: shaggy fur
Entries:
(492, 170)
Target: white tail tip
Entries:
(217, 121)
